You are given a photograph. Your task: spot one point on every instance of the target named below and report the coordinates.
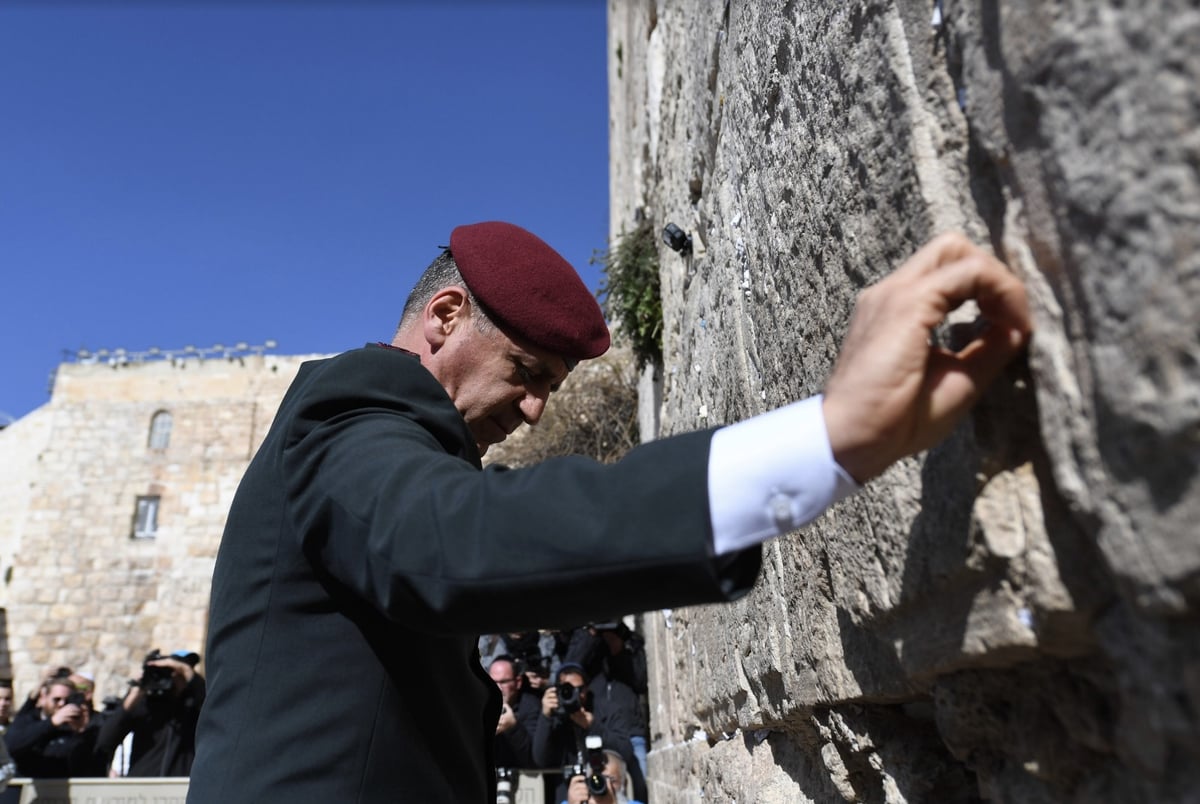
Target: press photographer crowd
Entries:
(575, 707)
(150, 731)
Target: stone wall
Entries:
(79, 589)
(1012, 616)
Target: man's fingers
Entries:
(957, 380)
(944, 248)
(940, 277)
(957, 270)
(979, 276)
(890, 393)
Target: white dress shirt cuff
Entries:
(771, 474)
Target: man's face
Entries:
(6, 704)
(572, 678)
(56, 697)
(612, 771)
(496, 383)
(508, 682)
(84, 685)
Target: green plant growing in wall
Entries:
(630, 293)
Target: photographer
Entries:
(518, 715)
(574, 709)
(58, 740)
(612, 648)
(580, 791)
(538, 653)
(617, 652)
(161, 709)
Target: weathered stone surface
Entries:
(1026, 594)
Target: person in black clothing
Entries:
(161, 710)
(601, 707)
(618, 652)
(31, 709)
(367, 547)
(56, 739)
(537, 654)
(518, 715)
(612, 648)
(7, 702)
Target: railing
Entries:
(95, 791)
(166, 791)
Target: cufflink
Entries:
(781, 508)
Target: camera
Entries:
(156, 681)
(570, 697)
(677, 239)
(590, 765)
(77, 698)
(504, 785)
(533, 663)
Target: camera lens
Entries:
(569, 697)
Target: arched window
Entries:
(160, 430)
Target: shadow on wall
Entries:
(972, 682)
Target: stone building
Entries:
(113, 496)
(1012, 616)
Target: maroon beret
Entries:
(529, 288)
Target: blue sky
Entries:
(201, 173)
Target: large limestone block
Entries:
(1090, 113)
(1039, 570)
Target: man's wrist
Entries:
(771, 474)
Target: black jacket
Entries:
(514, 748)
(365, 551)
(164, 731)
(45, 751)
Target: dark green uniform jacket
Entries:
(364, 552)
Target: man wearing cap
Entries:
(366, 549)
(161, 710)
(602, 708)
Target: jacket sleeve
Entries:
(116, 725)
(386, 496)
(27, 736)
(520, 742)
(547, 751)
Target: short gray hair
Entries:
(613, 756)
(442, 273)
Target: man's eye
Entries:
(524, 373)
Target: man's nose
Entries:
(532, 406)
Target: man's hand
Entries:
(181, 672)
(582, 718)
(507, 719)
(549, 701)
(577, 793)
(892, 392)
(71, 716)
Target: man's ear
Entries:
(445, 311)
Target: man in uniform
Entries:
(366, 549)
